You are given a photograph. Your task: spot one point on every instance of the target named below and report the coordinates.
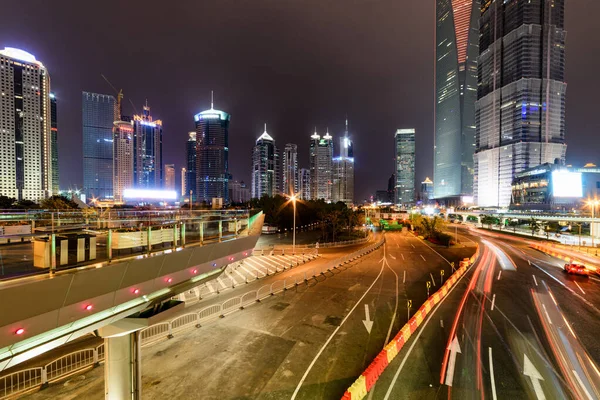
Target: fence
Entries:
(32, 378)
(25, 380)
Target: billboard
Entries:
(148, 194)
(567, 184)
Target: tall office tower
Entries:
(343, 172)
(520, 111)
(99, 112)
(321, 167)
(290, 169)
(426, 190)
(190, 170)
(456, 51)
(122, 158)
(170, 176)
(264, 166)
(405, 167)
(184, 183)
(391, 188)
(25, 140)
(239, 192)
(304, 184)
(212, 155)
(147, 151)
(54, 143)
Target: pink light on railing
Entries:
(89, 307)
(20, 331)
(136, 291)
(169, 280)
(194, 271)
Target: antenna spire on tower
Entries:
(265, 127)
(212, 100)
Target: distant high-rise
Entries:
(290, 169)
(304, 184)
(321, 167)
(212, 155)
(520, 111)
(405, 167)
(239, 192)
(99, 112)
(147, 151)
(343, 172)
(426, 190)
(264, 166)
(184, 182)
(25, 127)
(54, 143)
(190, 170)
(391, 188)
(170, 176)
(122, 158)
(456, 52)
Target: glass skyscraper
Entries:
(264, 167)
(290, 169)
(405, 167)
(190, 169)
(147, 151)
(212, 155)
(520, 111)
(99, 112)
(321, 167)
(456, 54)
(343, 171)
(54, 143)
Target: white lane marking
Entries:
(240, 275)
(535, 280)
(493, 301)
(579, 287)
(588, 395)
(492, 378)
(547, 315)
(413, 246)
(312, 363)
(404, 277)
(499, 273)
(442, 323)
(533, 374)
(422, 257)
(220, 281)
(389, 333)
(454, 350)
(432, 280)
(402, 254)
(594, 279)
(416, 339)
(392, 256)
(367, 321)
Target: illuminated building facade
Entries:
(26, 171)
(405, 167)
(212, 155)
(290, 169)
(54, 143)
(343, 172)
(123, 134)
(456, 52)
(147, 151)
(426, 190)
(264, 167)
(321, 167)
(169, 176)
(190, 170)
(99, 112)
(520, 111)
(304, 183)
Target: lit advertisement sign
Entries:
(567, 184)
(145, 194)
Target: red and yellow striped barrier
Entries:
(364, 383)
(553, 253)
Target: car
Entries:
(577, 269)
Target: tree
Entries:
(6, 202)
(487, 220)
(534, 225)
(514, 223)
(58, 203)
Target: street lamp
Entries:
(293, 199)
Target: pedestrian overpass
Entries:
(116, 300)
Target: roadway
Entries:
(307, 343)
(515, 326)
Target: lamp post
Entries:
(293, 198)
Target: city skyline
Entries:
(321, 98)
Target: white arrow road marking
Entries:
(392, 256)
(454, 348)
(367, 321)
(533, 374)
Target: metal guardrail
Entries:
(25, 380)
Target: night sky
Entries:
(291, 63)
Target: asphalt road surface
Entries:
(307, 343)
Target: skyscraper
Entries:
(426, 190)
(239, 192)
(170, 176)
(290, 169)
(391, 188)
(405, 167)
(25, 127)
(343, 172)
(321, 166)
(147, 151)
(304, 184)
(520, 111)
(99, 112)
(190, 170)
(212, 155)
(54, 143)
(264, 166)
(456, 52)
(184, 183)
(122, 158)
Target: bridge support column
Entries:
(183, 235)
(109, 245)
(149, 237)
(123, 367)
(175, 236)
(201, 228)
(220, 230)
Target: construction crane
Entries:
(119, 94)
